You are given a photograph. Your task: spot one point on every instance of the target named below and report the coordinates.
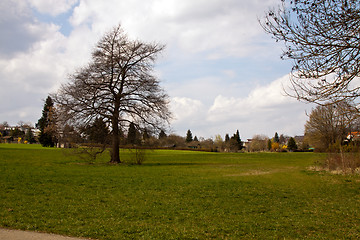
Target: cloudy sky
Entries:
(221, 71)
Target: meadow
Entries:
(177, 195)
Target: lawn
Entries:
(177, 195)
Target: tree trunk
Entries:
(115, 156)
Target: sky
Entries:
(220, 69)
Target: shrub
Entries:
(343, 162)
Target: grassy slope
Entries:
(176, 195)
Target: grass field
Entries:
(177, 195)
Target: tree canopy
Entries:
(47, 124)
(322, 39)
(118, 86)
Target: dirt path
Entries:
(7, 234)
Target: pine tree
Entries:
(162, 134)
(236, 141)
(227, 138)
(98, 132)
(269, 143)
(292, 144)
(132, 137)
(276, 138)
(29, 136)
(46, 124)
(189, 137)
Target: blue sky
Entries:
(221, 71)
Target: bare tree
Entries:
(259, 143)
(118, 85)
(327, 125)
(322, 38)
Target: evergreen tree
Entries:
(269, 144)
(132, 137)
(227, 138)
(29, 136)
(146, 135)
(276, 138)
(46, 124)
(196, 139)
(236, 141)
(98, 132)
(292, 144)
(162, 134)
(189, 137)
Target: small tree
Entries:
(47, 124)
(162, 134)
(133, 135)
(227, 138)
(292, 144)
(235, 142)
(269, 144)
(98, 132)
(189, 137)
(276, 138)
(29, 136)
(259, 143)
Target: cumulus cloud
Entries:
(226, 28)
(186, 109)
(206, 93)
(264, 110)
(53, 7)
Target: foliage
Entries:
(276, 138)
(47, 124)
(342, 162)
(292, 144)
(98, 132)
(259, 143)
(133, 135)
(322, 39)
(326, 126)
(162, 134)
(176, 195)
(275, 146)
(235, 142)
(189, 137)
(227, 138)
(29, 136)
(118, 85)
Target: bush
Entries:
(138, 156)
(343, 162)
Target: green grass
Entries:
(177, 195)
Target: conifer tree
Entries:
(189, 137)
(292, 144)
(236, 141)
(46, 124)
(132, 137)
(162, 134)
(276, 138)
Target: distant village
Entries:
(26, 133)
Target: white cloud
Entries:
(185, 109)
(53, 7)
(35, 58)
(265, 110)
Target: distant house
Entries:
(353, 136)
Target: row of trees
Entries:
(23, 132)
(331, 126)
(276, 144)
